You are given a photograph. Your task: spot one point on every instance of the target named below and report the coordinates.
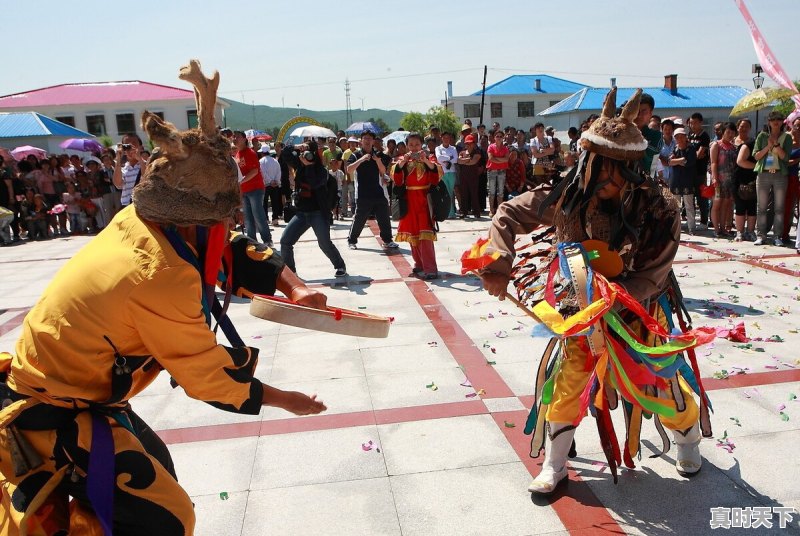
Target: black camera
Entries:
(127, 146)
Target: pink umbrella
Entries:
(21, 152)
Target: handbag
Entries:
(708, 191)
(747, 192)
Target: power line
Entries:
(337, 82)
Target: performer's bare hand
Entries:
(301, 404)
(495, 284)
(309, 297)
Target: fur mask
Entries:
(617, 137)
(190, 178)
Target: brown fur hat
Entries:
(616, 137)
(190, 178)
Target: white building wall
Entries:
(175, 111)
(510, 108)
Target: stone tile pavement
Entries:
(408, 447)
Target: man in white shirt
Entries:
(126, 175)
(447, 156)
(271, 171)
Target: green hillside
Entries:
(240, 116)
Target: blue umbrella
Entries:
(81, 144)
(360, 126)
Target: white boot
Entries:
(554, 468)
(688, 460)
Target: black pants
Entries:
(701, 203)
(365, 207)
(483, 189)
(469, 202)
(274, 195)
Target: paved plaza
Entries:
(423, 433)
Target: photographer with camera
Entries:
(371, 167)
(126, 174)
(313, 207)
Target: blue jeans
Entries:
(321, 225)
(255, 218)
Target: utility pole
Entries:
(362, 103)
(254, 114)
(347, 96)
(483, 94)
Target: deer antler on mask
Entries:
(616, 137)
(190, 178)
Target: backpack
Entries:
(439, 201)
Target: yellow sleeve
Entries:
(167, 313)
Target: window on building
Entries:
(67, 120)
(472, 110)
(191, 117)
(525, 109)
(160, 115)
(497, 109)
(554, 102)
(96, 125)
(126, 124)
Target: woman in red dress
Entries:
(417, 173)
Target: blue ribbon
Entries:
(100, 473)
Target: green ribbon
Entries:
(618, 371)
(674, 348)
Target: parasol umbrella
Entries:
(262, 137)
(397, 136)
(360, 126)
(81, 144)
(760, 98)
(312, 131)
(21, 152)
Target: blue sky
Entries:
(398, 55)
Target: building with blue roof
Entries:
(32, 128)
(714, 102)
(514, 101)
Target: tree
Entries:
(436, 116)
(786, 106)
(414, 122)
(445, 119)
(381, 124)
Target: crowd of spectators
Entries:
(733, 184)
(739, 185)
(47, 196)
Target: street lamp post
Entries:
(758, 81)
